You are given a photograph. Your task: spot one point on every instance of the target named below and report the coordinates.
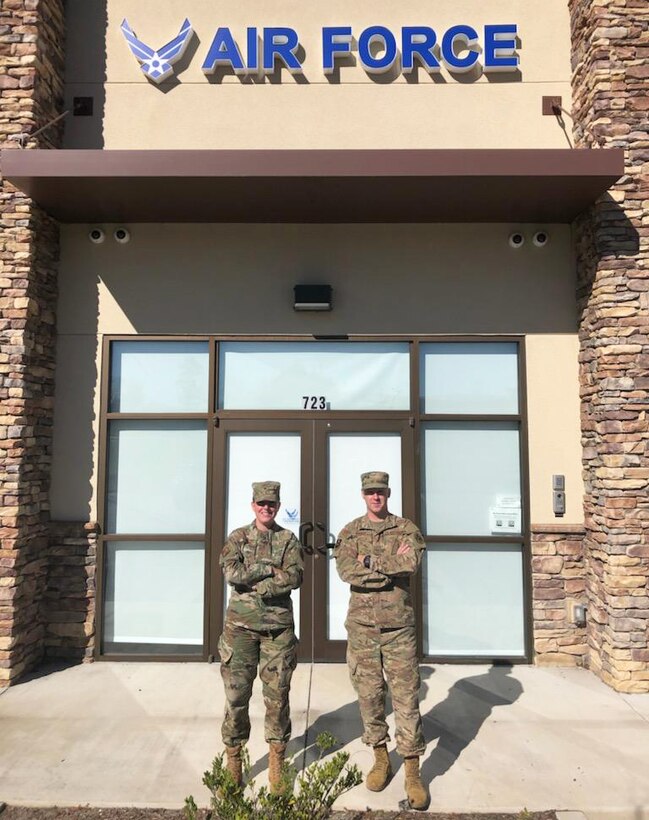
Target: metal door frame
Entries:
(314, 504)
(292, 419)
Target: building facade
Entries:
(301, 243)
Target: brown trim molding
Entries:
(558, 529)
(486, 185)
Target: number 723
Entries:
(314, 402)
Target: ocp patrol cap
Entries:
(265, 491)
(375, 481)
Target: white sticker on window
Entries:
(505, 519)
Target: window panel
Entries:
(157, 473)
(330, 375)
(159, 377)
(479, 378)
(471, 481)
(473, 600)
(154, 596)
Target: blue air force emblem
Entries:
(157, 65)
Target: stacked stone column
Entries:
(558, 584)
(31, 94)
(611, 109)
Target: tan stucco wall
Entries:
(437, 279)
(554, 424)
(356, 111)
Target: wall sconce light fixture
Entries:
(579, 614)
(312, 297)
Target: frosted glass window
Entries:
(469, 377)
(154, 595)
(327, 375)
(157, 473)
(264, 457)
(473, 600)
(351, 454)
(159, 377)
(471, 481)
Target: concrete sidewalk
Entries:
(499, 739)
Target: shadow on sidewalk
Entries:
(344, 724)
(456, 721)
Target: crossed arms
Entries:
(263, 576)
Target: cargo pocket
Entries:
(225, 651)
(352, 665)
(289, 662)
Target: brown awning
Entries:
(314, 186)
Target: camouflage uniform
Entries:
(381, 626)
(259, 628)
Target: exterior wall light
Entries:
(579, 614)
(312, 297)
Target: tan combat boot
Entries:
(415, 790)
(275, 764)
(381, 772)
(234, 763)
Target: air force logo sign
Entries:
(158, 65)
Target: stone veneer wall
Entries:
(611, 108)
(31, 94)
(558, 582)
(69, 603)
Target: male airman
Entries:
(262, 562)
(376, 554)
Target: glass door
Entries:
(319, 464)
(248, 451)
(344, 450)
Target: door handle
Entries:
(328, 545)
(306, 527)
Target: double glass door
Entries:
(318, 463)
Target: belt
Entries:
(363, 591)
(278, 600)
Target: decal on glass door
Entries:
(315, 403)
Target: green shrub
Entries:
(308, 796)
